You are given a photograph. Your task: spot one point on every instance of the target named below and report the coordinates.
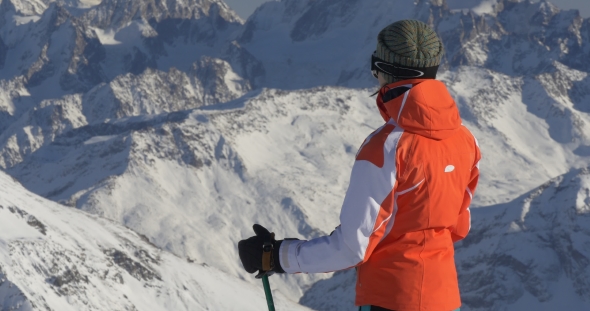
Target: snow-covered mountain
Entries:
(62, 51)
(517, 38)
(533, 252)
(56, 258)
(208, 172)
(186, 124)
(177, 177)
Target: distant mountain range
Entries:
(187, 124)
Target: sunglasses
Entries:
(399, 72)
(374, 68)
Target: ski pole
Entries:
(267, 263)
(268, 293)
(266, 270)
(266, 284)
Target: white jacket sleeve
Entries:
(367, 214)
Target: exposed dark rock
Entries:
(316, 21)
(16, 210)
(133, 267)
(69, 276)
(35, 223)
(31, 220)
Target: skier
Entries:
(409, 194)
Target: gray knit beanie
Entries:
(409, 43)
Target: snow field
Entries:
(49, 251)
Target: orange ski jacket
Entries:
(407, 202)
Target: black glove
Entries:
(251, 251)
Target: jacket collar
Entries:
(420, 106)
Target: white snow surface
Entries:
(215, 171)
(106, 37)
(56, 258)
(479, 7)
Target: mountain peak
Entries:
(118, 13)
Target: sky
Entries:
(582, 5)
(245, 8)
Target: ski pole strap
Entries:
(267, 260)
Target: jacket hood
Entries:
(420, 106)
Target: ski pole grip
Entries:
(267, 248)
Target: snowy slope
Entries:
(529, 128)
(532, 253)
(211, 172)
(56, 258)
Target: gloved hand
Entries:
(251, 251)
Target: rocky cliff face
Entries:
(62, 50)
